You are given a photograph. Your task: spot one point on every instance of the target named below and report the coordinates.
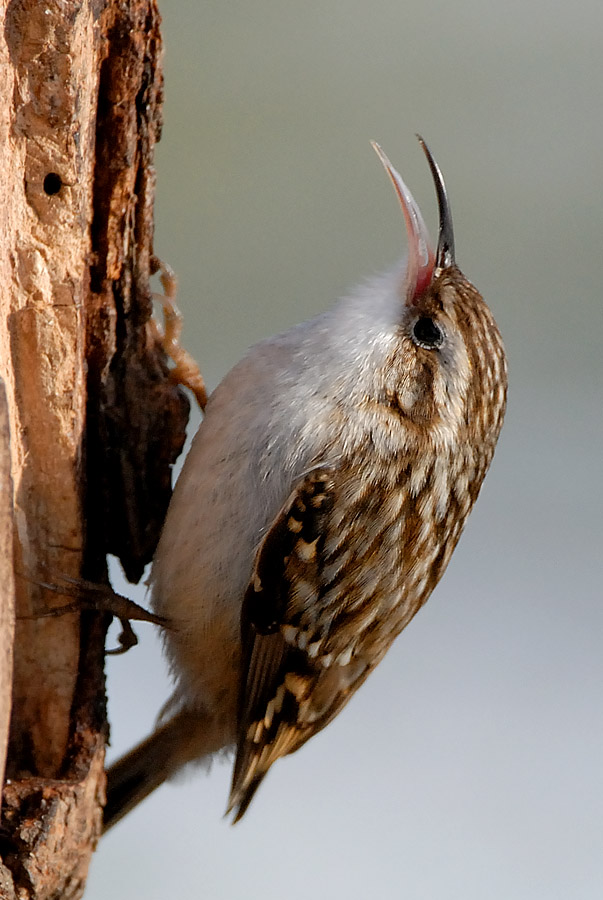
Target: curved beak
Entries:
(445, 251)
(421, 260)
(423, 265)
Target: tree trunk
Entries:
(94, 421)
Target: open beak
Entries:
(423, 265)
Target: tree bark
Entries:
(7, 580)
(95, 423)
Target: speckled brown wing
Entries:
(288, 691)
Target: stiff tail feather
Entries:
(186, 737)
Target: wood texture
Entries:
(7, 580)
(95, 423)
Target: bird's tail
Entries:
(187, 736)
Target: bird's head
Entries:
(447, 374)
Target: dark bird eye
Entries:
(427, 333)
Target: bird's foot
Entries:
(185, 370)
(88, 595)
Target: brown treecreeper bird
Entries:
(319, 506)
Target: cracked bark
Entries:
(94, 422)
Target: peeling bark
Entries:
(95, 423)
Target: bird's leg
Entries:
(99, 598)
(185, 371)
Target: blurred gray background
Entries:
(470, 764)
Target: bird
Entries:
(320, 503)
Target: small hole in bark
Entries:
(53, 183)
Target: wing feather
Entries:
(276, 676)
